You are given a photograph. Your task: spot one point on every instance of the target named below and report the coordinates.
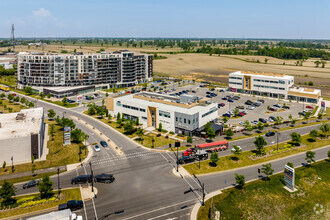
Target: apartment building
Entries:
(110, 70)
(272, 85)
(180, 115)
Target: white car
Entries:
(233, 149)
(254, 122)
(242, 123)
(97, 148)
(250, 107)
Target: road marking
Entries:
(92, 198)
(155, 210)
(83, 201)
(167, 214)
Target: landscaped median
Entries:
(33, 202)
(248, 158)
(267, 199)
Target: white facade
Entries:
(152, 109)
(22, 137)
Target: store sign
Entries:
(79, 99)
(67, 135)
(289, 176)
(323, 106)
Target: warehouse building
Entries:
(181, 115)
(105, 69)
(271, 85)
(22, 135)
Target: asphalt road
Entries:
(145, 187)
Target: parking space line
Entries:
(83, 201)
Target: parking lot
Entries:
(257, 112)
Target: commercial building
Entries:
(180, 115)
(105, 69)
(272, 85)
(22, 135)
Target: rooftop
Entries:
(305, 92)
(277, 75)
(24, 123)
(78, 53)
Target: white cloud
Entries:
(42, 13)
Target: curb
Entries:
(194, 211)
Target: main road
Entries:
(145, 187)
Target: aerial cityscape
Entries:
(164, 110)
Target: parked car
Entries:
(271, 133)
(32, 183)
(240, 114)
(229, 100)
(97, 148)
(286, 107)
(262, 120)
(104, 178)
(245, 112)
(236, 97)
(226, 115)
(224, 98)
(193, 91)
(72, 205)
(302, 113)
(208, 92)
(273, 109)
(261, 100)
(250, 107)
(240, 107)
(222, 104)
(248, 102)
(254, 122)
(103, 143)
(273, 118)
(310, 107)
(257, 104)
(208, 96)
(277, 106)
(242, 123)
(81, 179)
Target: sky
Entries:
(280, 19)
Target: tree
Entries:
(189, 139)
(109, 117)
(314, 134)
(278, 120)
(46, 187)
(100, 111)
(307, 115)
(128, 127)
(137, 121)
(229, 132)
(16, 99)
(329, 153)
(214, 158)
(320, 116)
(325, 128)
(106, 94)
(33, 168)
(310, 155)
(65, 122)
(64, 101)
(2, 95)
(31, 104)
(210, 133)
(240, 180)
(266, 60)
(160, 127)
(42, 95)
(225, 119)
(247, 125)
(51, 114)
(77, 136)
(260, 143)
(260, 126)
(317, 63)
(140, 133)
(52, 130)
(236, 112)
(296, 138)
(290, 164)
(49, 95)
(10, 97)
(103, 101)
(4, 165)
(7, 191)
(23, 100)
(236, 150)
(323, 63)
(267, 169)
(28, 90)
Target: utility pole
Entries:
(12, 164)
(58, 181)
(13, 37)
(90, 164)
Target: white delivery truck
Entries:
(65, 214)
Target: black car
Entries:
(208, 96)
(208, 92)
(103, 143)
(72, 205)
(193, 91)
(236, 97)
(261, 100)
(224, 98)
(104, 178)
(271, 133)
(273, 118)
(32, 183)
(286, 107)
(248, 102)
(256, 104)
(212, 89)
(81, 179)
(262, 120)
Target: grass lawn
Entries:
(269, 200)
(14, 105)
(58, 154)
(66, 195)
(8, 80)
(27, 178)
(230, 161)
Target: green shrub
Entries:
(171, 132)
(180, 135)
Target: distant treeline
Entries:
(4, 72)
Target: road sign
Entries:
(289, 176)
(323, 106)
(79, 99)
(67, 135)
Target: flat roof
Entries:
(12, 128)
(277, 75)
(304, 92)
(66, 89)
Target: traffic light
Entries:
(258, 170)
(177, 144)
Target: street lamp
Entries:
(58, 181)
(277, 138)
(12, 164)
(90, 164)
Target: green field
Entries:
(232, 161)
(269, 200)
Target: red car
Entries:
(310, 107)
(241, 114)
(14, 94)
(221, 104)
(128, 92)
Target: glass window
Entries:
(188, 121)
(184, 121)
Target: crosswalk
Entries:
(122, 157)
